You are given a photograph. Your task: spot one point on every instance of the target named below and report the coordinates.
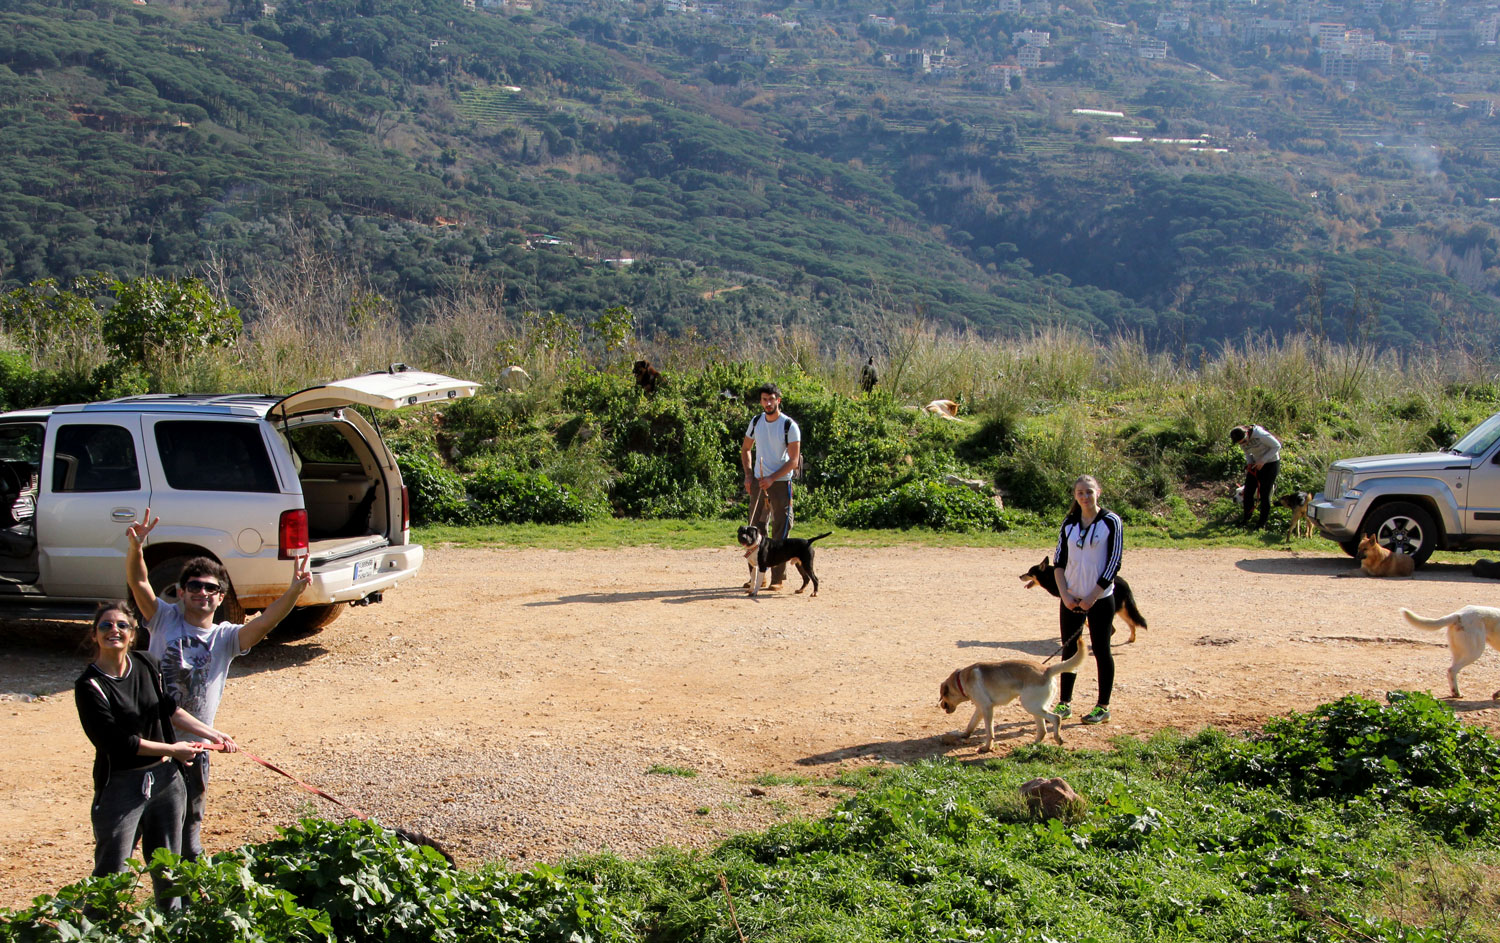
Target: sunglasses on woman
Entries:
(107, 625)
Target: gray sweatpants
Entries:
(138, 804)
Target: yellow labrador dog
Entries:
(990, 683)
(1468, 628)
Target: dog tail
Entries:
(1072, 663)
(1133, 614)
(820, 537)
(1441, 622)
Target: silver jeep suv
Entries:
(251, 481)
(1417, 503)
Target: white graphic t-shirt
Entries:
(194, 661)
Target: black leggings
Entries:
(1101, 619)
(1263, 480)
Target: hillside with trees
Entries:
(717, 166)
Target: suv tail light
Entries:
(405, 515)
(291, 535)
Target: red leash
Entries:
(276, 769)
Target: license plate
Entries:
(365, 569)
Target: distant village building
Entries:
(1487, 30)
(1031, 37)
(1012, 7)
(1029, 56)
(881, 22)
(1152, 49)
(1174, 21)
(267, 9)
(468, 4)
(1417, 35)
(918, 60)
(1263, 28)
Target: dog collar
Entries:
(959, 679)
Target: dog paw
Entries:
(983, 749)
(1495, 696)
(798, 592)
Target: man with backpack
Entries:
(777, 443)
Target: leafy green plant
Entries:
(926, 503)
(436, 491)
(506, 496)
(1411, 752)
(167, 318)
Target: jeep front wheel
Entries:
(1403, 527)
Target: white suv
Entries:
(251, 481)
(1417, 503)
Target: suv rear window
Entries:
(214, 456)
(94, 458)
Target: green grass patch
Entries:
(1357, 821)
(685, 772)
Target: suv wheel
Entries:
(1404, 527)
(306, 620)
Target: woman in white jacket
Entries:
(1087, 558)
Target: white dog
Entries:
(1468, 628)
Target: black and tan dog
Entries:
(762, 555)
(1298, 502)
(1043, 575)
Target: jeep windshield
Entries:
(1480, 440)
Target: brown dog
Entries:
(647, 377)
(1375, 560)
(1298, 502)
(990, 683)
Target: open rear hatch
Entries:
(348, 475)
(392, 389)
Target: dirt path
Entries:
(514, 702)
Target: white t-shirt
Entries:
(771, 441)
(194, 661)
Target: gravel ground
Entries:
(526, 705)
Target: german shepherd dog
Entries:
(1043, 575)
(1297, 502)
(1375, 560)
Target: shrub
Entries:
(506, 496)
(1411, 752)
(436, 491)
(925, 503)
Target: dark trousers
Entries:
(195, 780)
(1264, 480)
(1100, 619)
(775, 505)
(144, 805)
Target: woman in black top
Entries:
(128, 715)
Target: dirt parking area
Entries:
(524, 705)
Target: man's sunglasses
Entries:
(200, 586)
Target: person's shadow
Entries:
(670, 596)
(1039, 647)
